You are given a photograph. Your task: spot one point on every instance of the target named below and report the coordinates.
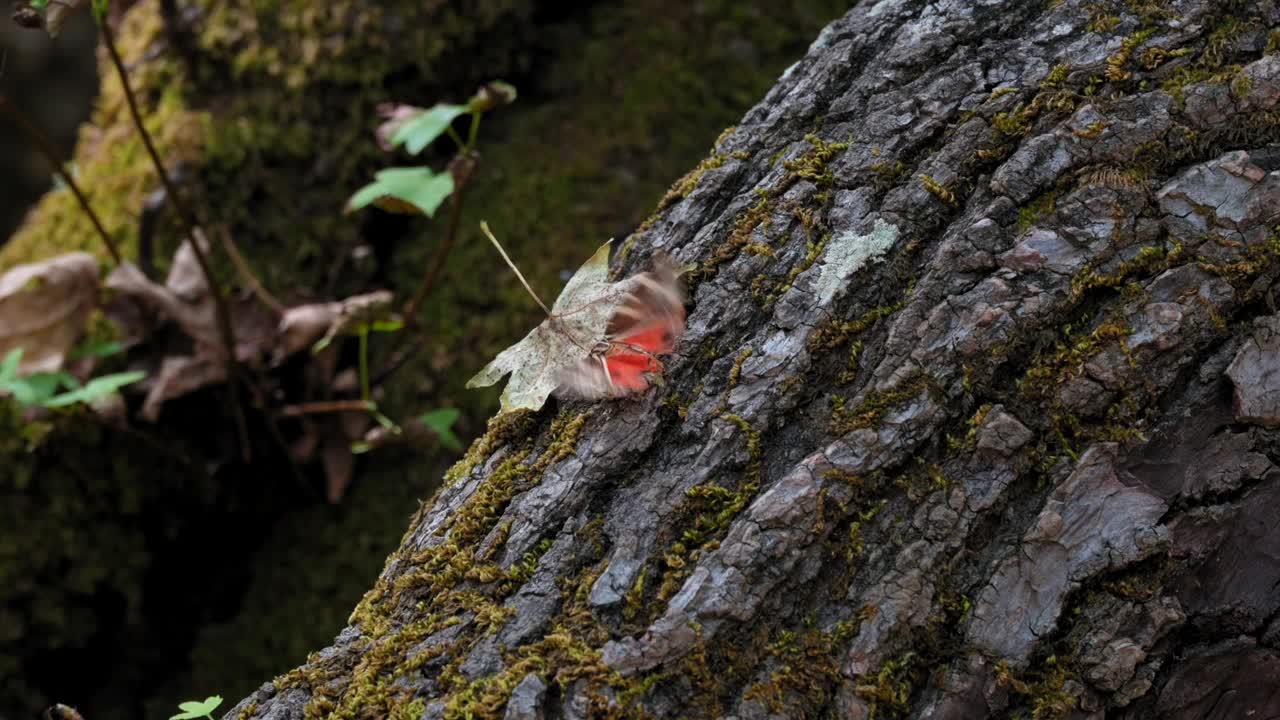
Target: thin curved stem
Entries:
(55, 159)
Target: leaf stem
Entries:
(475, 129)
(246, 273)
(456, 137)
(46, 148)
(484, 226)
(326, 407)
(436, 267)
(364, 364)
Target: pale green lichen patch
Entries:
(848, 252)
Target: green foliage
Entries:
(421, 187)
(441, 423)
(98, 387)
(414, 129)
(197, 709)
(419, 132)
(97, 348)
(42, 388)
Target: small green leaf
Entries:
(45, 385)
(193, 709)
(21, 391)
(39, 4)
(386, 325)
(421, 187)
(9, 365)
(383, 420)
(441, 423)
(100, 8)
(96, 388)
(98, 349)
(422, 130)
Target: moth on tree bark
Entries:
(975, 415)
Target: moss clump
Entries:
(1210, 65)
(1115, 63)
(942, 192)
(436, 590)
(1149, 261)
(1042, 690)
(502, 429)
(887, 172)
(711, 508)
(806, 669)
(1056, 77)
(1113, 177)
(686, 184)
(875, 405)
(812, 166)
(1101, 21)
(833, 334)
(1255, 260)
(889, 690)
(1045, 376)
(735, 372)
(1036, 210)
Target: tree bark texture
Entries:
(975, 415)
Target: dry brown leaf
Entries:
(43, 308)
(185, 300)
(303, 326)
(300, 327)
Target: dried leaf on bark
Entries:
(43, 308)
(578, 321)
(184, 299)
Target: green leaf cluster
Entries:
(421, 189)
(60, 388)
(198, 709)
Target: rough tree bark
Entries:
(975, 416)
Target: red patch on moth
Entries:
(631, 358)
(646, 325)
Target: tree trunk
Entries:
(974, 416)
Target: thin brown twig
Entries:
(400, 354)
(325, 407)
(246, 273)
(436, 267)
(189, 226)
(55, 159)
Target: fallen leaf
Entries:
(577, 323)
(300, 327)
(185, 301)
(317, 324)
(43, 308)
